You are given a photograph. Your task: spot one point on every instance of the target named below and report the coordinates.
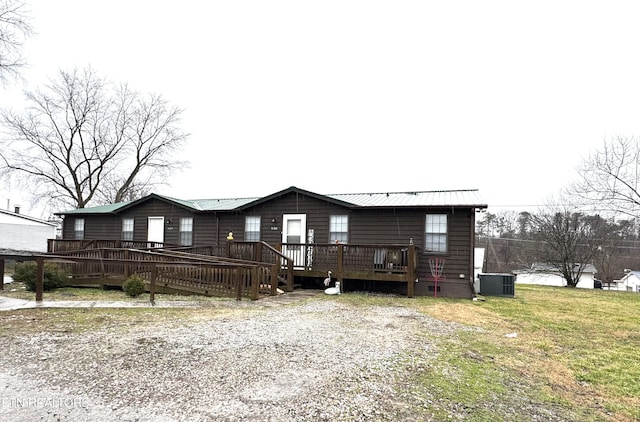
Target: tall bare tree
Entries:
(14, 30)
(85, 141)
(610, 177)
(569, 240)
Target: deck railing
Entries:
(177, 270)
(249, 251)
(63, 245)
(389, 262)
(361, 262)
(372, 258)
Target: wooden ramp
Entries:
(178, 271)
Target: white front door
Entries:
(155, 229)
(294, 229)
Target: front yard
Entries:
(547, 354)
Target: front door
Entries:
(294, 227)
(155, 230)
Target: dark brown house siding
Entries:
(396, 226)
(158, 208)
(367, 226)
(109, 226)
(95, 227)
(457, 260)
(401, 226)
(317, 213)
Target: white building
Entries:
(629, 283)
(549, 275)
(20, 232)
(478, 266)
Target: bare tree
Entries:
(501, 224)
(610, 177)
(85, 141)
(14, 30)
(569, 240)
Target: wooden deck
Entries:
(394, 263)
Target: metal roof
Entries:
(222, 204)
(449, 198)
(26, 217)
(100, 209)
(443, 198)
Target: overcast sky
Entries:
(363, 96)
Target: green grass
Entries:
(576, 349)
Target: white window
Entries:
(252, 229)
(339, 229)
(78, 229)
(127, 229)
(436, 233)
(186, 231)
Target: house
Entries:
(374, 235)
(549, 275)
(630, 282)
(20, 232)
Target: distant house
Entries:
(549, 275)
(629, 283)
(20, 232)
(368, 239)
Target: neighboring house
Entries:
(439, 224)
(630, 282)
(549, 275)
(20, 232)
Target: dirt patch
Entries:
(320, 360)
(316, 361)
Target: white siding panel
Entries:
(23, 237)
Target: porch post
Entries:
(2, 273)
(274, 279)
(340, 268)
(39, 278)
(238, 280)
(256, 280)
(152, 288)
(127, 264)
(289, 275)
(411, 270)
(257, 251)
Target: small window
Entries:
(78, 229)
(339, 229)
(127, 229)
(252, 229)
(186, 231)
(436, 233)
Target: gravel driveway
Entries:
(316, 360)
